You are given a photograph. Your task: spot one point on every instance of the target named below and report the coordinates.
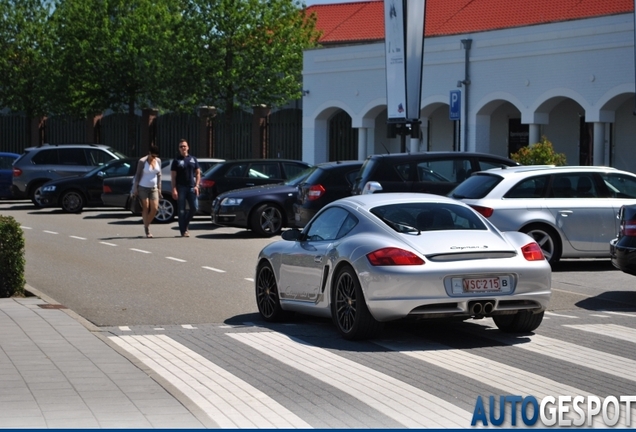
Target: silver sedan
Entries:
(368, 259)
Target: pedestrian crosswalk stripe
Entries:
(226, 399)
(492, 373)
(621, 367)
(609, 330)
(406, 404)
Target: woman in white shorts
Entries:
(146, 184)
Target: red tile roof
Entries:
(364, 21)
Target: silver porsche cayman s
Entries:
(368, 259)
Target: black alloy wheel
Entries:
(349, 310)
(267, 220)
(267, 299)
(72, 201)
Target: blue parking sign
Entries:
(455, 105)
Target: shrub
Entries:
(11, 258)
(541, 153)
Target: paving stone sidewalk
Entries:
(58, 372)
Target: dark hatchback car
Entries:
(328, 182)
(72, 194)
(242, 173)
(623, 247)
(6, 173)
(265, 209)
(431, 172)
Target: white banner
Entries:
(395, 61)
(414, 53)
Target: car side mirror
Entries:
(292, 234)
(371, 187)
(101, 174)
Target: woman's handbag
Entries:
(135, 204)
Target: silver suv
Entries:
(37, 165)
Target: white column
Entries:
(370, 141)
(414, 145)
(362, 143)
(534, 133)
(599, 144)
(424, 135)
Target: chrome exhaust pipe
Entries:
(488, 307)
(476, 308)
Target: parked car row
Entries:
(554, 205)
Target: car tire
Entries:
(267, 220)
(166, 211)
(36, 194)
(267, 297)
(349, 310)
(522, 322)
(72, 201)
(548, 239)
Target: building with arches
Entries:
(564, 70)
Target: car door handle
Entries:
(318, 259)
(565, 213)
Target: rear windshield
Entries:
(300, 177)
(476, 186)
(417, 217)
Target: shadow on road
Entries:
(616, 301)
(584, 266)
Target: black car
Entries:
(328, 182)
(264, 209)
(623, 247)
(116, 191)
(72, 194)
(242, 173)
(430, 172)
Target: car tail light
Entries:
(393, 256)
(628, 228)
(532, 252)
(205, 183)
(107, 189)
(315, 192)
(484, 211)
(17, 172)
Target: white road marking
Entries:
(621, 313)
(140, 250)
(226, 399)
(609, 330)
(79, 238)
(508, 379)
(249, 279)
(621, 367)
(158, 328)
(559, 315)
(188, 326)
(176, 259)
(108, 244)
(124, 328)
(50, 232)
(599, 316)
(213, 269)
(406, 404)
(25, 227)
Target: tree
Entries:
(247, 52)
(115, 54)
(25, 61)
(541, 153)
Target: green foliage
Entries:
(11, 258)
(247, 52)
(541, 153)
(25, 56)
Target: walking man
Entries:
(185, 176)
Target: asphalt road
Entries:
(100, 265)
